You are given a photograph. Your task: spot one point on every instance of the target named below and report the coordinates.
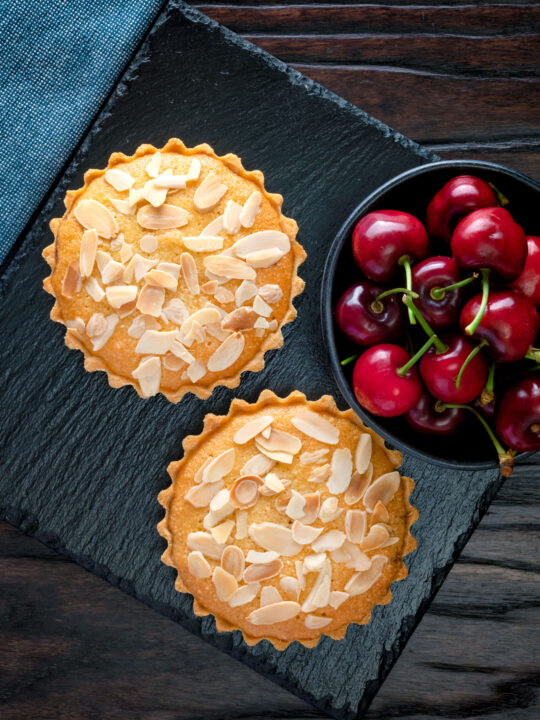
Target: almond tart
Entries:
(287, 519)
(173, 270)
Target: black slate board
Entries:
(82, 464)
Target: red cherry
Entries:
(460, 196)
(367, 320)
(383, 238)
(378, 385)
(431, 279)
(509, 324)
(426, 419)
(490, 239)
(518, 417)
(440, 370)
(528, 283)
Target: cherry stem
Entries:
(506, 457)
(440, 346)
(404, 369)
(438, 293)
(488, 393)
(406, 263)
(471, 327)
(535, 428)
(349, 359)
(502, 199)
(377, 306)
(468, 359)
(533, 354)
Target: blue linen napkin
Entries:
(59, 59)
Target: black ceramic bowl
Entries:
(469, 448)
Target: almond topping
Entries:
(376, 538)
(241, 318)
(119, 179)
(148, 373)
(380, 513)
(261, 558)
(227, 353)
(261, 323)
(362, 581)
(112, 272)
(272, 536)
(209, 193)
(169, 181)
(383, 489)
(253, 427)
(72, 280)
(311, 508)
(150, 300)
(244, 595)
(232, 561)
(173, 363)
(122, 206)
(280, 441)
(314, 622)
(94, 289)
(241, 524)
(271, 293)
(320, 592)
(196, 371)
(136, 268)
(316, 456)
(332, 540)
(245, 491)
(314, 563)
(262, 240)
(198, 565)
(259, 572)
(209, 287)
(231, 217)
(203, 243)
(152, 167)
(118, 295)
(223, 296)
(358, 560)
(244, 292)
(155, 342)
(277, 456)
(358, 486)
(290, 586)
(330, 510)
(355, 525)
(158, 278)
(100, 340)
(304, 534)
(92, 215)
(362, 455)
(189, 273)
(175, 311)
(148, 243)
(140, 324)
(125, 252)
(295, 507)
(224, 583)
(96, 325)
(341, 471)
(282, 501)
(249, 212)
(269, 595)
(221, 532)
(229, 267)
(87, 258)
(164, 217)
(135, 196)
(261, 307)
(272, 485)
(204, 316)
(337, 598)
(219, 467)
(316, 427)
(320, 474)
(259, 465)
(274, 613)
(201, 495)
(205, 543)
(263, 258)
(214, 227)
(194, 170)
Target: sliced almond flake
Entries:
(320, 592)
(362, 455)
(87, 257)
(259, 464)
(196, 371)
(210, 287)
(229, 267)
(311, 508)
(261, 324)
(377, 536)
(222, 531)
(96, 325)
(320, 474)
(119, 179)
(118, 295)
(313, 457)
(252, 428)
(272, 485)
(380, 513)
(126, 309)
(281, 441)
(273, 325)
(304, 534)
(76, 324)
(355, 525)
(340, 555)
(117, 242)
(270, 595)
(155, 342)
(214, 227)
(290, 586)
(261, 307)
(189, 273)
(135, 196)
(361, 582)
(170, 268)
(315, 622)
(390, 541)
(194, 170)
(137, 267)
(203, 317)
(214, 517)
(224, 583)
(233, 562)
(250, 210)
(173, 363)
(314, 563)
(271, 293)
(148, 243)
(358, 486)
(295, 506)
(209, 193)
(281, 457)
(100, 340)
(274, 613)
(223, 296)
(259, 332)
(262, 240)
(244, 595)
(150, 300)
(152, 167)
(256, 557)
(266, 433)
(316, 427)
(341, 467)
(384, 488)
(205, 543)
(219, 467)
(197, 478)
(198, 565)
(203, 243)
(181, 352)
(102, 259)
(158, 278)
(330, 510)
(94, 289)
(72, 283)
(282, 500)
(259, 572)
(263, 258)
(92, 215)
(220, 500)
(272, 536)
(164, 217)
(175, 311)
(122, 206)
(168, 181)
(140, 324)
(241, 524)
(148, 373)
(337, 598)
(244, 292)
(231, 217)
(112, 272)
(358, 561)
(126, 253)
(201, 495)
(332, 540)
(227, 353)
(245, 491)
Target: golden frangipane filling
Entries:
(287, 519)
(174, 270)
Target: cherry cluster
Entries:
(476, 305)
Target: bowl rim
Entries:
(327, 324)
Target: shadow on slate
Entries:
(82, 464)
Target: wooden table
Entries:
(460, 79)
